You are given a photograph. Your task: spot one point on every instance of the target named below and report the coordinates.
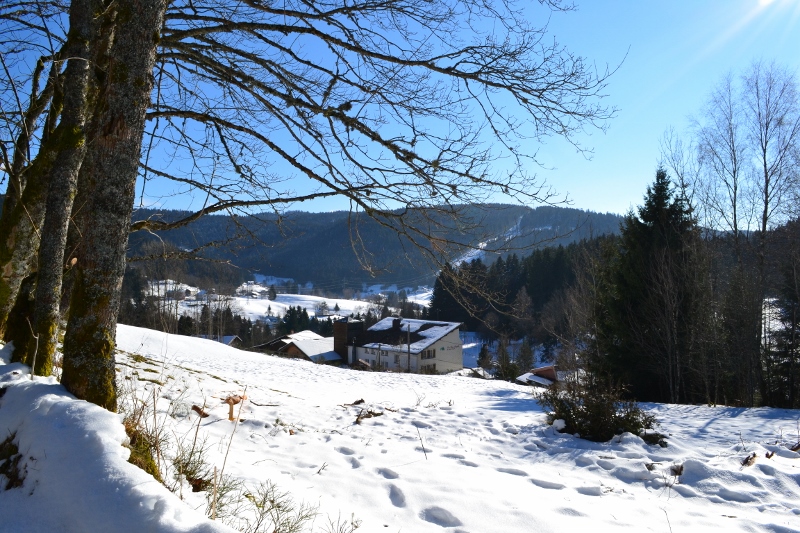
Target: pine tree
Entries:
(506, 369)
(485, 358)
(648, 313)
(524, 359)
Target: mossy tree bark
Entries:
(70, 136)
(112, 160)
(20, 233)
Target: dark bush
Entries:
(594, 409)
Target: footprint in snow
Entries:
(355, 463)
(453, 456)
(345, 451)
(396, 496)
(388, 474)
(513, 471)
(421, 425)
(440, 517)
(590, 491)
(468, 463)
(605, 464)
(547, 484)
(569, 511)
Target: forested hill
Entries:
(324, 248)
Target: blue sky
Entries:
(669, 54)
(674, 53)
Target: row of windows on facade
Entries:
(424, 354)
(423, 368)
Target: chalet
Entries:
(278, 343)
(401, 344)
(303, 345)
(316, 350)
(543, 376)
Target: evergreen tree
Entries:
(506, 369)
(485, 358)
(647, 318)
(524, 359)
(272, 294)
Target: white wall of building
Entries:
(447, 356)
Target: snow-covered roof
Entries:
(305, 335)
(423, 333)
(533, 379)
(225, 339)
(312, 347)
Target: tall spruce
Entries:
(646, 326)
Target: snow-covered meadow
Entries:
(259, 308)
(438, 453)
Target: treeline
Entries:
(670, 311)
(509, 298)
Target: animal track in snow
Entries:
(345, 451)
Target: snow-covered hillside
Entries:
(436, 453)
(258, 308)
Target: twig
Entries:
(670, 525)
(36, 350)
(422, 444)
(324, 465)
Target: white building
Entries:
(405, 344)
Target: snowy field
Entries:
(439, 453)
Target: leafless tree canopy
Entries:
(390, 104)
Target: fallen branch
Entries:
(367, 413)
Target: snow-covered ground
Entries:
(440, 453)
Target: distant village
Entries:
(368, 335)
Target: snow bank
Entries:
(77, 477)
(401, 452)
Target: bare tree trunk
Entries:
(112, 161)
(71, 138)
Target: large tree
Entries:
(647, 320)
(407, 109)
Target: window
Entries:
(397, 358)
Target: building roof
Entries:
(281, 342)
(225, 339)
(532, 379)
(304, 335)
(395, 333)
(318, 350)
